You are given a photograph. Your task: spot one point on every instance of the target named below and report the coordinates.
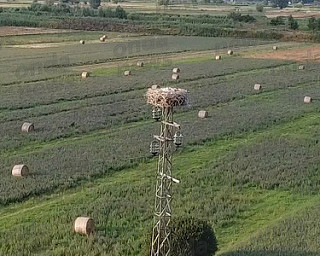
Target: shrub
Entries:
(312, 23)
(87, 12)
(277, 21)
(318, 24)
(49, 2)
(120, 13)
(61, 9)
(95, 3)
(163, 2)
(236, 16)
(190, 237)
(259, 7)
(293, 24)
(280, 3)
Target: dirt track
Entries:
(8, 31)
(302, 14)
(300, 54)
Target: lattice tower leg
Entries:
(161, 230)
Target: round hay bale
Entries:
(104, 36)
(140, 64)
(102, 39)
(83, 225)
(230, 52)
(176, 70)
(20, 170)
(85, 74)
(257, 87)
(175, 77)
(127, 73)
(82, 42)
(27, 127)
(218, 57)
(307, 99)
(203, 114)
(301, 67)
(155, 86)
(275, 47)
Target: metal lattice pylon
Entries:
(163, 211)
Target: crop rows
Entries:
(64, 163)
(20, 96)
(123, 219)
(83, 106)
(25, 64)
(296, 235)
(286, 162)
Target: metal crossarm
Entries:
(174, 124)
(162, 139)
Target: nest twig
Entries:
(166, 97)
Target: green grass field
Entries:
(251, 169)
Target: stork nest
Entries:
(166, 97)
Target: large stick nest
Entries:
(166, 97)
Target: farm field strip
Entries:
(66, 164)
(13, 32)
(182, 57)
(45, 39)
(130, 47)
(265, 242)
(42, 72)
(242, 208)
(61, 105)
(277, 205)
(264, 49)
(27, 61)
(307, 53)
(71, 88)
(107, 112)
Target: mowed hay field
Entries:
(251, 169)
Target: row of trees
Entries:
(292, 23)
(314, 24)
(93, 3)
(64, 9)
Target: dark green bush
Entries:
(236, 16)
(120, 13)
(277, 21)
(190, 237)
(87, 12)
(314, 24)
(280, 3)
(259, 8)
(95, 3)
(66, 10)
(293, 24)
(60, 9)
